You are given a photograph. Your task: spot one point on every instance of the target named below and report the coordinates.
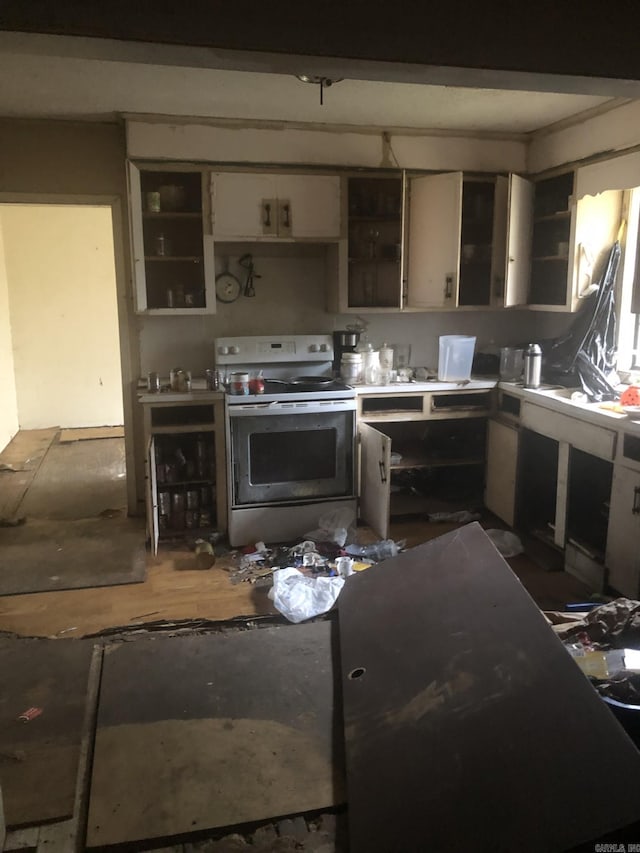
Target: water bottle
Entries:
(376, 552)
(532, 366)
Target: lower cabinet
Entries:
(623, 539)
(185, 470)
(420, 467)
(501, 473)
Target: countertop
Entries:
(196, 396)
(558, 399)
(477, 384)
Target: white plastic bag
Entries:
(333, 527)
(507, 543)
(298, 597)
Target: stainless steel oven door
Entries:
(291, 452)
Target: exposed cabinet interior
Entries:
(410, 467)
(537, 486)
(374, 242)
(588, 502)
(478, 201)
(173, 256)
(186, 475)
(551, 240)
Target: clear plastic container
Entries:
(455, 357)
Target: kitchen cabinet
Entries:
(468, 241)
(502, 467)
(251, 206)
(185, 469)
(173, 260)
(571, 239)
(374, 248)
(420, 453)
(623, 538)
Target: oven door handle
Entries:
(311, 407)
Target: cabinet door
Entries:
(435, 222)
(375, 479)
(245, 206)
(517, 268)
(502, 462)
(308, 206)
(137, 238)
(152, 496)
(623, 537)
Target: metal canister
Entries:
(532, 366)
(239, 383)
(213, 379)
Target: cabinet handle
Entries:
(448, 287)
(636, 501)
(285, 210)
(383, 471)
(267, 215)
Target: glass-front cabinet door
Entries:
(172, 240)
(375, 237)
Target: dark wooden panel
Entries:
(208, 731)
(467, 724)
(39, 759)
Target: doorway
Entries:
(58, 270)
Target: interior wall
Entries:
(62, 297)
(282, 144)
(8, 400)
(70, 158)
(602, 135)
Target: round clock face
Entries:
(227, 287)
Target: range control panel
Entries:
(272, 349)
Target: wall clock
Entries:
(228, 287)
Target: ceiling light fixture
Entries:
(318, 80)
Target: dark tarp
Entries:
(586, 354)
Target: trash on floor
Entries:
(463, 517)
(506, 542)
(335, 527)
(299, 597)
(377, 551)
(205, 556)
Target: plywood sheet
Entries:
(39, 759)
(208, 731)
(467, 724)
(23, 454)
(88, 433)
(44, 555)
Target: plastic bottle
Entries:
(378, 551)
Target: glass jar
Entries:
(351, 367)
(371, 367)
(239, 383)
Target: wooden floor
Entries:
(175, 589)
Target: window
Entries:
(628, 296)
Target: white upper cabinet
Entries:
(571, 241)
(172, 244)
(435, 219)
(272, 207)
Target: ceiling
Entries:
(47, 77)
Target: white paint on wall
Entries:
(62, 299)
(289, 145)
(8, 400)
(604, 134)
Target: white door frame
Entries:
(126, 329)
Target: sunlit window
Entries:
(628, 297)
